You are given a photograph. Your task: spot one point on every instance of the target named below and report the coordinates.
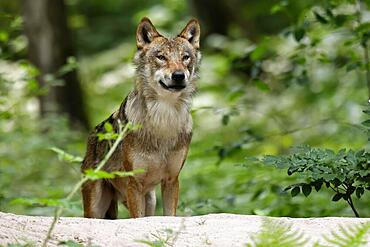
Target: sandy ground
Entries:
(208, 230)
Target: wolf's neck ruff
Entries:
(163, 119)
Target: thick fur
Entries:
(160, 146)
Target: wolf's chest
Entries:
(166, 120)
(161, 118)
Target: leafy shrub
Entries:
(345, 172)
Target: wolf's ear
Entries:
(145, 33)
(192, 33)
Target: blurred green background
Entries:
(274, 74)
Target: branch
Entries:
(350, 202)
(84, 179)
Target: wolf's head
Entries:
(167, 66)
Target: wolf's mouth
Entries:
(172, 87)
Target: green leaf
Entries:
(4, 36)
(318, 185)
(295, 191)
(366, 123)
(276, 233)
(107, 136)
(352, 66)
(70, 243)
(37, 202)
(95, 175)
(306, 189)
(108, 127)
(341, 19)
(288, 187)
(71, 65)
(127, 174)
(235, 95)
(366, 112)
(225, 119)
(329, 13)
(64, 156)
(359, 192)
(363, 27)
(299, 33)
(276, 8)
(260, 52)
(279, 6)
(320, 18)
(354, 235)
(337, 197)
(261, 85)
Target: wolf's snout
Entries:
(178, 77)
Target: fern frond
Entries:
(278, 234)
(350, 236)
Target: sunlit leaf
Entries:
(261, 85)
(64, 156)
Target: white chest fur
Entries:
(166, 119)
(162, 119)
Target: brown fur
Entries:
(161, 105)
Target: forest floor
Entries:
(208, 230)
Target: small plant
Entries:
(94, 174)
(163, 238)
(277, 234)
(114, 139)
(344, 172)
(350, 236)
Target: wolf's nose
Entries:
(178, 76)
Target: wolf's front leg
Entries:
(135, 199)
(170, 195)
(150, 201)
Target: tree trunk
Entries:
(49, 46)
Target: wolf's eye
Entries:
(186, 57)
(161, 57)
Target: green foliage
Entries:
(95, 175)
(162, 238)
(37, 202)
(325, 38)
(12, 43)
(345, 172)
(70, 243)
(109, 133)
(64, 156)
(154, 243)
(277, 234)
(350, 236)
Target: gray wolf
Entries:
(166, 71)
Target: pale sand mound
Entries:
(208, 230)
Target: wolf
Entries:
(166, 73)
